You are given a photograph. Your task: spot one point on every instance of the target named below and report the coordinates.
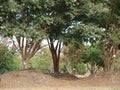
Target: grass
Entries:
(118, 88)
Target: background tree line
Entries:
(66, 25)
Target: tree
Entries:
(19, 20)
(111, 36)
(83, 46)
(72, 57)
(29, 21)
(63, 13)
(105, 16)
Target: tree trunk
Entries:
(106, 64)
(55, 63)
(109, 59)
(55, 52)
(28, 48)
(24, 64)
(92, 71)
(56, 67)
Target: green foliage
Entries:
(45, 63)
(45, 66)
(6, 59)
(72, 59)
(117, 65)
(42, 60)
(63, 68)
(38, 19)
(30, 66)
(81, 68)
(93, 54)
(72, 52)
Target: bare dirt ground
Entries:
(35, 80)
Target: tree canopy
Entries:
(61, 21)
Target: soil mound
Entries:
(37, 80)
(24, 78)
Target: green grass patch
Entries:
(118, 88)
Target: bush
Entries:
(42, 60)
(6, 59)
(93, 56)
(17, 63)
(117, 65)
(81, 68)
(45, 66)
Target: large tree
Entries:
(28, 20)
(112, 35)
(64, 13)
(100, 20)
(19, 21)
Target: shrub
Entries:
(117, 65)
(93, 56)
(42, 60)
(6, 59)
(81, 68)
(17, 63)
(45, 66)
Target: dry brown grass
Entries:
(35, 80)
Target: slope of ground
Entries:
(34, 79)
